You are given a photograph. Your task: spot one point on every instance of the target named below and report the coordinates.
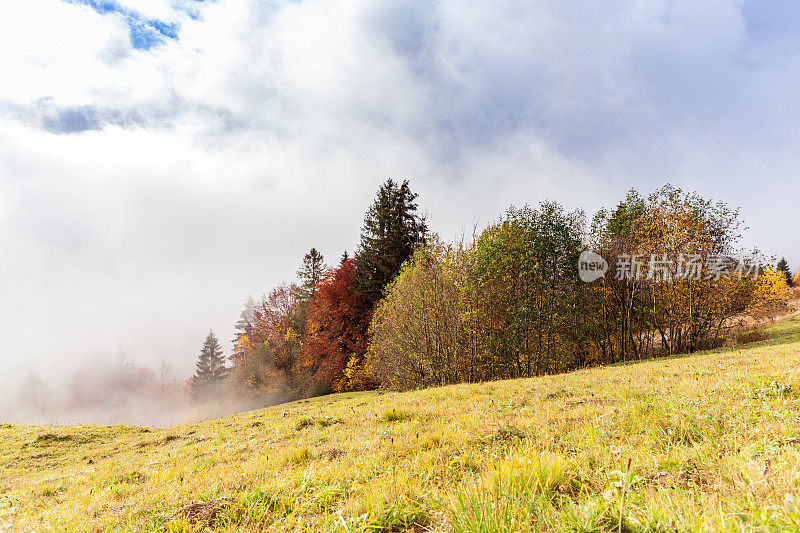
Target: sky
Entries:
(161, 160)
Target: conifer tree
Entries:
(245, 317)
(310, 273)
(783, 267)
(245, 320)
(210, 370)
(391, 230)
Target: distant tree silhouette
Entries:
(245, 320)
(310, 273)
(783, 267)
(210, 370)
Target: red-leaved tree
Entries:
(335, 339)
(273, 343)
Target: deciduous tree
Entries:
(416, 333)
(336, 332)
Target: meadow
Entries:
(706, 442)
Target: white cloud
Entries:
(53, 49)
(214, 161)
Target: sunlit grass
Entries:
(703, 442)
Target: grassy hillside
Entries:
(710, 441)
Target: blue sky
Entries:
(145, 33)
(153, 152)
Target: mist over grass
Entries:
(104, 389)
(114, 389)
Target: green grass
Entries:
(697, 443)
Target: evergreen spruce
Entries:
(245, 317)
(310, 273)
(391, 230)
(783, 266)
(210, 370)
(245, 320)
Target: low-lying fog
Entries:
(106, 389)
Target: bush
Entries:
(416, 328)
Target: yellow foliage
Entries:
(771, 294)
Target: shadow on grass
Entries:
(786, 331)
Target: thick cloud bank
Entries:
(160, 160)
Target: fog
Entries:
(105, 389)
(150, 180)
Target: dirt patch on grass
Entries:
(52, 437)
(555, 395)
(46, 439)
(202, 512)
(160, 442)
(594, 400)
(688, 478)
(332, 454)
(504, 435)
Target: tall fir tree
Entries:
(210, 370)
(245, 320)
(392, 228)
(783, 266)
(310, 273)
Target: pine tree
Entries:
(391, 230)
(783, 266)
(245, 317)
(210, 370)
(310, 273)
(245, 320)
(344, 258)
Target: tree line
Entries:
(409, 310)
